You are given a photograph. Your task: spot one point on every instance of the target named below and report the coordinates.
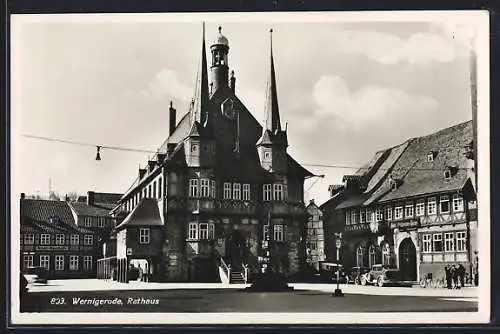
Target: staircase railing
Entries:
(226, 268)
(245, 272)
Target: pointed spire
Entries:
(201, 98)
(271, 108)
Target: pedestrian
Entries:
(454, 276)
(461, 273)
(447, 275)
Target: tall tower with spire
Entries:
(220, 66)
(273, 142)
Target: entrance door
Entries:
(235, 248)
(408, 260)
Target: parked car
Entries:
(381, 275)
(354, 275)
(329, 271)
(36, 275)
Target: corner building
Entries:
(222, 184)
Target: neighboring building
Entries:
(217, 181)
(413, 206)
(315, 239)
(51, 238)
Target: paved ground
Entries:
(102, 296)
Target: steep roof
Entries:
(146, 213)
(44, 210)
(82, 209)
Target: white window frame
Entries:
(348, 217)
(354, 217)
(87, 221)
(59, 262)
(461, 241)
(101, 222)
(279, 233)
(369, 215)
(44, 239)
(73, 262)
(409, 210)
(437, 237)
(211, 231)
(379, 214)
(388, 212)
(88, 239)
(427, 243)
(449, 242)
(442, 200)
(45, 259)
(227, 190)
(420, 208)
(278, 192)
(193, 188)
(28, 260)
(74, 240)
(457, 203)
(398, 212)
(213, 192)
(205, 188)
(362, 216)
(267, 192)
(60, 239)
(237, 191)
(360, 256)
(431, 206)
(29, 239)
(246, 192)
(203, 231)
(144, 235)
(87, 262)
(193, 231)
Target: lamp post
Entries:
(338, 244)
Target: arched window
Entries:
(386, 254)
(371, 256)
(360, 256)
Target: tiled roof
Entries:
(109, 198)
(44, 210)
(146, 213)
(82, 209)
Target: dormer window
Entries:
(447, 174)
(450, 171)
(267, 155)
(394, 185)
(431, 156)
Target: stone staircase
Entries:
(236, 277)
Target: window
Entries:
(29, 239)
(386, 254)
(73, 262)
(212, 189)
(59, 239)
(45, 239)
(362, 215)
(458, 203)
(100, 222)
(246, 191)
(398, 212)
(193, 188)
(360, 256)
(448, 242)
(430, 156)
(194, 147)
(278, 232)
(278, 192)
(45, 261)
(372, 256)
(388, 213)
(88, 239)
(211, 231)
(203, 231)
(227, 190)
(267, 192)
(28, 261)
(74, 239)
(461, 241)
(150, 193)
(348, 217)
(59, 262)
(438, 242)
(87, 221)
(265, 232)
(420, 208)
(369, 215)
(87, 262)
(409, 210)
(144, 235)
(160, 181)
(193, 231)
(237, 191)
(444, 204)
(447, 174)
(354, 217)
(205, 188)
(431, 206)
(267, 155)
(379, 215)
(426, 243)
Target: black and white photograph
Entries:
(245, 168)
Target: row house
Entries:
(412, 207)
(50, 238)
(223, 186)
(315, 238)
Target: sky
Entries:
(347, 88)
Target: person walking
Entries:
(447, 274)
(454, 276)
(461, 274)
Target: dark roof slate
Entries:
(146, 213)
(44, 210)
(82, 209)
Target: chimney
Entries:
(23, 196)
(160, 157)
(142, 171)
(232, 82)
(90, 198)
(172, 121)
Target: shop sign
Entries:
(48, 248)
(356, 227)
(406, 224)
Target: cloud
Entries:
(367, 105)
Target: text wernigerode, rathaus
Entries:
(219, 189)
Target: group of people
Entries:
(455, 276)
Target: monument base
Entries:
(338, 293)
(269, 282)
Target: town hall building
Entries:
(222, 198)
